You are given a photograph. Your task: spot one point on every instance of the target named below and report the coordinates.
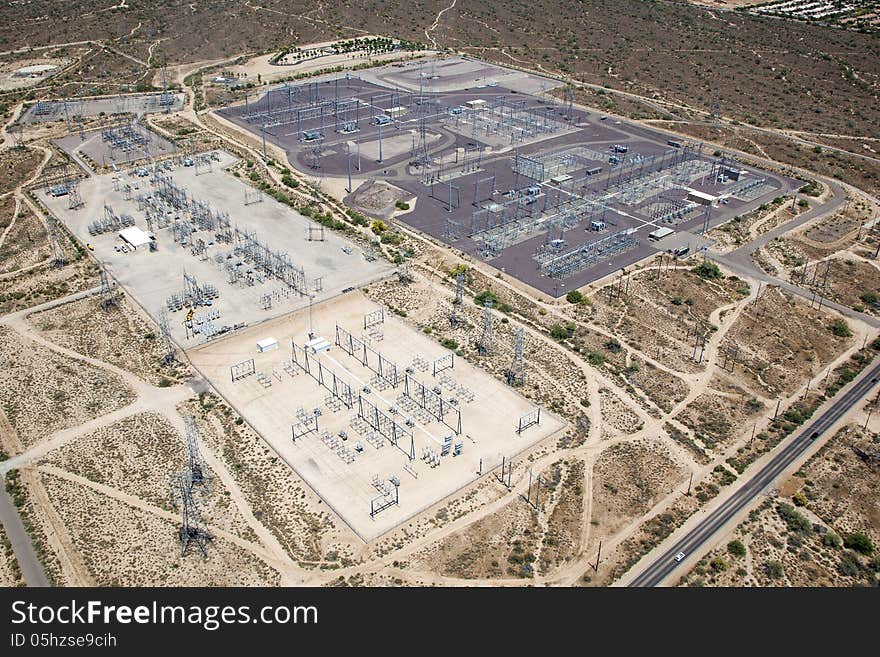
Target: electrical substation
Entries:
(524, 180)
(379, 419)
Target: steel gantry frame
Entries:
(575, 260)
(367, 356)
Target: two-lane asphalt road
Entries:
(664, 565)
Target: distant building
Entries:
(267, 344)
(135, 237)
(732, 174)
(701, 198)
(660, 233)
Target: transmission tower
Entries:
(17, 138)
(459, 294)
(716, 108)
(192, 529)
(424, 159)
(516, 375)
(57, 252)
(74, 200)
(568, 104)
(404, 273)
(199, 476)
(486, 344)
(165, 330)
(108, 297)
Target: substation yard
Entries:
(391, 422)
(540, 189)
(117, 144)
(632, 418)
(70, 109)
(221, 257)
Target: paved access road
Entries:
(665, 564)
(31, 568)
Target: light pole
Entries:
(311, 328)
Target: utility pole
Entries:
(311, 328)
(348, 189)
(871, 409)
(380, 142)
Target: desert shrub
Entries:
(796, 522)
(736, 548)
(860, 543)
(773, 569)
(707, 269)
(841, 329)
(391, 238)
(719, 564)
(486, 295)
(613, 346)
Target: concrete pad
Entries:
(151, 277)
(683, 239)
(103, 153)
(489, 422)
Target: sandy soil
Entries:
(62, 392)
(781, 343)
(10, 574)
(137, 456)
(120, 336)
(796, 537)
(628, 479)
(120, 544)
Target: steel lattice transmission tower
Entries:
(165, 330)
(192, 528)
(74, 200)
(486, 344)
(55, 243)
(516, 375)
(108, 297)
(199, 475)
(459, 296)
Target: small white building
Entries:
(660, 233)
(267, 344)
(135, 237)
(317, 345)
(701, 197)
(478, 103)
